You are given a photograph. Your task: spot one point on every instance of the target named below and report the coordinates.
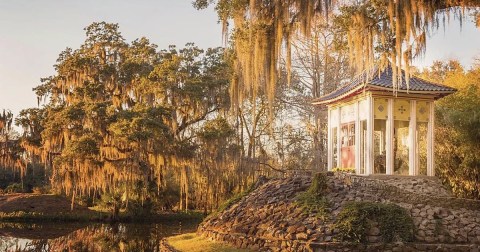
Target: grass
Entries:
(193, 243)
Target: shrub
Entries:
(84, 200)
(40, 190)
(347, 170)
(138, 208)
(319, 185)
(354, 222)
(457, 148)
(14, 188)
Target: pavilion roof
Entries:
(383, 80)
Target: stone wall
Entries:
(268, 219)
(438, 216)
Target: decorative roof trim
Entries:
(340, 97)
(382, 80)
(433, 93)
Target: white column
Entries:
(431, 140)
(369, 150)
(412, 139)
(339, 138)
(330, 141)
(357, 138)
(389, 140)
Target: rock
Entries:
(429, 239)
(421, 233)
(290, 236)
(328, 231)
(373, 238)
(301, 229)
(302, 236)
(374, 231)
(430, 210)
(291, 229)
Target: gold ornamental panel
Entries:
(423, 109)
(380, 108)
(401, 110)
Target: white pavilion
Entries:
(375, 129)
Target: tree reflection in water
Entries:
(96, 237)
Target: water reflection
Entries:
(95, 237)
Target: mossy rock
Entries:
(356, 218)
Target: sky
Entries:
(454, 41)
(34, 32)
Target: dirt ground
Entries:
(38, 203)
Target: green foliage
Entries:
(138, 209)
(354, 221)
(457, 124)
(461, 111)
(313, 204)
(347, 170)
(314, 200)
(319, 185)
(84, 147)
(216, 130)
(140, 124)
(14, 188)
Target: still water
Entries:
(88, 237)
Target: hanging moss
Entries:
(354, 222)
(392, 31)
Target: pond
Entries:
(88, 237)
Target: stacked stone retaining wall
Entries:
(268, 219)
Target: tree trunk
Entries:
(73, 200)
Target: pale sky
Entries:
(34, 32)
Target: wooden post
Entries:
(412, 139)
